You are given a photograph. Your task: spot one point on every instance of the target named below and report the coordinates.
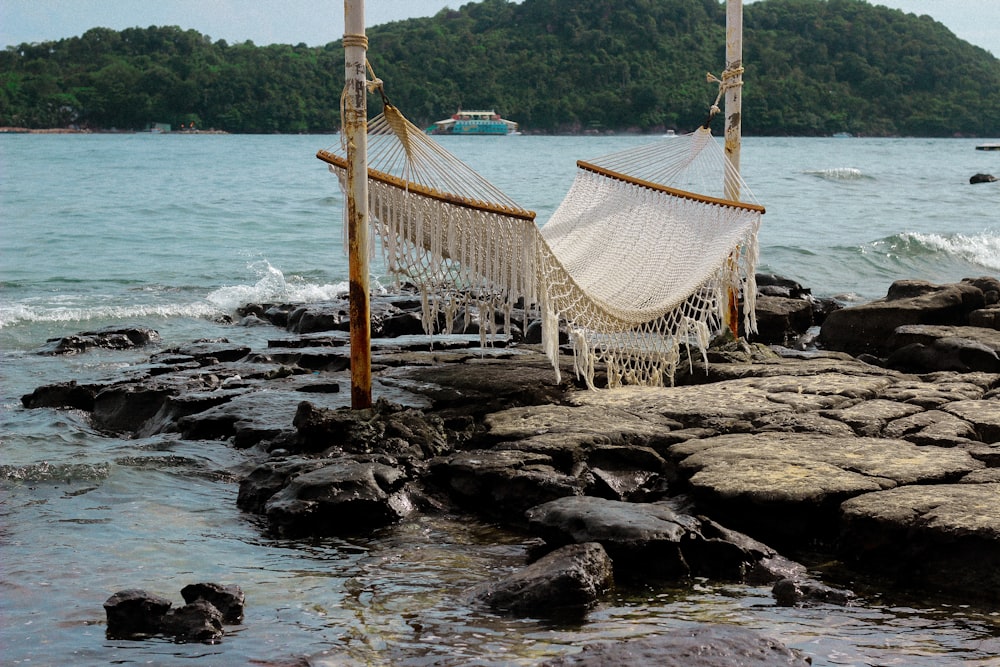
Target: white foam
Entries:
(17, 313)
(982, 249)
(838, 173)
(273, 287)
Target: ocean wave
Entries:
(22, 312)
(980, 249)
(272, 286)
(838, 174)
(46, 472)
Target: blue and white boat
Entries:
(474, 122)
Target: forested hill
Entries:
(812, 67)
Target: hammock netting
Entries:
(640, 257)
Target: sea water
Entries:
(176, 231)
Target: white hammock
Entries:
(632, 260)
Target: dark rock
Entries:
(659, 540)
(769, 284)
(923, 348)
(402, 324)
(945, 354)
(111, 338)
(695, 646)
(501, 484)
(134, 613)
(341, 498)
(385, 428)
(268, 478)
(229, 600)
(327, 317)
(944, 536)
(780, 319)
(641, 538)
(177, 407)
(986, 318)
(198, 621)
(207, 352)
(566, 581)
(982, 178)
(310, 358)
(868, 327)
(127, 407)
(798, 593)
(990, 286)
(62, 395)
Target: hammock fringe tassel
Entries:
(635, 263)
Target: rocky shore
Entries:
(838, 444)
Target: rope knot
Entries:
(356, 40)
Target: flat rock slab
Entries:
(695, 646)
(535, 420)
(944, 535)
(983, 415)
(716, 404)
(726, 403)
(800, 479)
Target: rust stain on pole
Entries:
(733, 77)
(355, 124)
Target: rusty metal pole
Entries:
(355, 128)
(732, 77)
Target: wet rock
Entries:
(134, 614)
(657, 540)
(801, 593)
(268, 478)
(341, 498)
(62, 395)
(694, 646)
(334, 316)
(111, 338)
(568, 580)
(127, 407)
(501, 484)
(639, 537)
(229, 600)
(198, 621)
(206, 352)
(769, 284)
(944, 536)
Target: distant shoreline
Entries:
(66, 130)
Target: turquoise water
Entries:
(176, 231)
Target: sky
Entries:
(318, 22)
